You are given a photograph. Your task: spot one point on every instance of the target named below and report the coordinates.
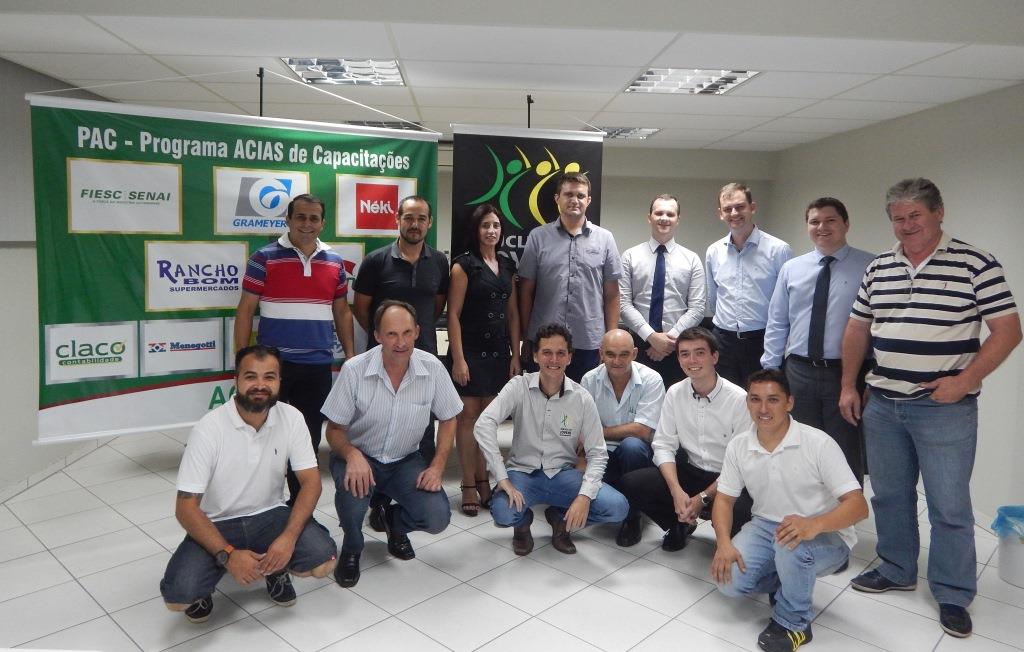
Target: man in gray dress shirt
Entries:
(674, 288)
(814, 370)
(553, 418)
(569, 275)
(377, 410)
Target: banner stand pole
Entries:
(529, 101)
(260, 75)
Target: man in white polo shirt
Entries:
(806, 501)
(230, 496)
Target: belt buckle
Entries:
(820, 364)
(740, 336)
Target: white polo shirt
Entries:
(239, 470)
(805, 475)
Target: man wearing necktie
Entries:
(806, 319)
(662, 291)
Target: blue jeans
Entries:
(417, 509)
(937, 441)
(193, 572)
(609, 506)
(790, 574)
(631, 454)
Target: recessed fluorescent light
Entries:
(348, 72)
(629, 133)
(691, 81)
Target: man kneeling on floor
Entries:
(552, 418)
(806, 500)
(230, 496)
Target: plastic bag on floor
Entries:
(1009, 521)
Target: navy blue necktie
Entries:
(658, 291)
(819, 307)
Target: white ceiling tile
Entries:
(110, 67)
(524, 77)
(515, 117)
(748, 146)
(238, 36)
(709, 135)
(212, 107)
(506, 99)
(24, 32)
(376, 96)
(223, 69)
(325, 113)
(906, 88)
(679, 120)
(816, 125)
(159, 91)
(548, 46)
(816, 85)
(861, 110)
(663, 144)
(706, 104)
(986, 61)
(755, 52)
(777, 137)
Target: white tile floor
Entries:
(82, 553)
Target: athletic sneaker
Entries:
(280, 588)
(776, 638)
(199, 611)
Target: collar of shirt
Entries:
(375, 367)
(286, 242)
(712, 394)
(790, 440)
(669, 246)
(397, 253)
(240, 424)
(752, 240)
(534, 383)
(840, 254)
(584, 231)
(897, 250)
(606, 381)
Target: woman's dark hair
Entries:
(482, 211)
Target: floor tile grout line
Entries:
(91, 620)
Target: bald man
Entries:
(628, 397)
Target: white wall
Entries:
(972, 150)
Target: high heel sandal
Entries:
(470, 507)
(484, 502)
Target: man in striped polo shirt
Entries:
(921, 306)
(301, 289)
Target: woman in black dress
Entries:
(483, 340)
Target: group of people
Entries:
(807, 362)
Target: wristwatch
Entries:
(705, 499)
(222, 556)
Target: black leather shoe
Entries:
(955, 620)
(377, 505)
(874, 582)
(629, 533)
(677, 536)
(560, 539)
(398, 544)
(522, 538)
(346, 573)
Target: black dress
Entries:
(485, 338)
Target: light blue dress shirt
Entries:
(789, 314)
(740, 283)
(640, 402)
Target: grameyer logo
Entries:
(194, 275)
(255, 201)
(77, 352)
(368, 205)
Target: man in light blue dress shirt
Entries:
(742, 269)
(628, 396)
(815, 375)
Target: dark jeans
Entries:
(647, 491)
(816, 403)
(305, 387)
(631, 454)
(739, 356)
(417, 509)
(193, 572)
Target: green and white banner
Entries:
(145, 218)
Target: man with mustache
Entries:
(230, 484)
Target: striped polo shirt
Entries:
(297, 295)
(926, 322)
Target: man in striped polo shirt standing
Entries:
(301, 289)
(921, 306)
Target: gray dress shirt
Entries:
(685, 288)
(546, 431)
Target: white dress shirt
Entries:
(685, 288)
(702, 426)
